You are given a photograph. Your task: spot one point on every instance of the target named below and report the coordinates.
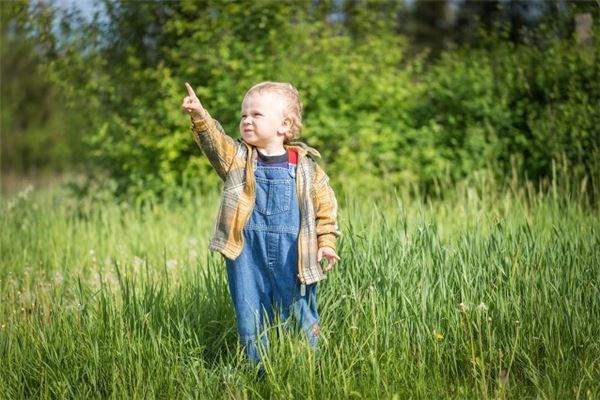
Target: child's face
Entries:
(263, 122)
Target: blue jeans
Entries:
(263, 280)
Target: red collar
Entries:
(292, 156)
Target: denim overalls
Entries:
(263, 279)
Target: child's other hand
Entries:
(191, 103)
(331, 256)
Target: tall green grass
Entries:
(489, 293)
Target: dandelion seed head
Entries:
(111, 278)
(58, 278)
(26, 299)
(97, 277)
(137, 262)
(24, 194)
(503, 377)
(171, 264)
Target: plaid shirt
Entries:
(234, 162)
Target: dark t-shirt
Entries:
(273, 161)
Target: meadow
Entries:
(490, 291)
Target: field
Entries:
(487, 293)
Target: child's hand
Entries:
(191, 103)
(330, 254)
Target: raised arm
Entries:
(208, 134)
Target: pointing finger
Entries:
(190, 90)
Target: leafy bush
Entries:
(379, 117)
(526, 103)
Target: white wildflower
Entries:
(171, 264)
(58, 278)
(137, 262)
(26, 299)
(482, 306)
(97, 277)
(24, 194)
(228, 374)
(192, 241)
(111, 278)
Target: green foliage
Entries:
(528, 104)
(373, 108)
(32, 120)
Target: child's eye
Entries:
(258, 114)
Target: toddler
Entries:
(277, 217)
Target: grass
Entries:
(489, 293)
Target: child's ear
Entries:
(285, 127)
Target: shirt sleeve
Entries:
(219, 148)
(325, 210)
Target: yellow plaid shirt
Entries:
(234, 163)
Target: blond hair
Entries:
(294, 105)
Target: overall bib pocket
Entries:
(273, 196)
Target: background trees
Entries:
(412, 93)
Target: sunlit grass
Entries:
(490, 293)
